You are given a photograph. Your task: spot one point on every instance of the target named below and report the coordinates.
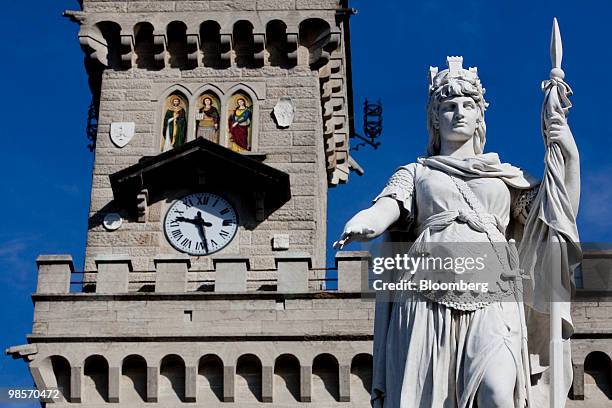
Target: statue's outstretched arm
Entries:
(370, 223)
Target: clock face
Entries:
(200, 224)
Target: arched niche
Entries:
(174, 121)
(243, 45)
(95, 379)
(597, 376)
(177, 44)
(210, 39)
(314, 34)
(276, 43)
(242, 120)
(111, 33)
(325, 378)
(248, 379)
(361, 377)
(210, 379)
(286, 379)
(133, 379)
(208, 115)
(144, 47)
(61, 371)
(172, 379)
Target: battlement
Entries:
(230, 274)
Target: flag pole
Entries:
(553, 104)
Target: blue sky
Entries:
(47, 166)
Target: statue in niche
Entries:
(240, 123)
(208, 118)
(174, 129)
(445, 348)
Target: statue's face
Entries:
(176, 102)
(458, 118)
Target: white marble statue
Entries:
(447, 351)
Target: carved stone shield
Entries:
(284, 111)
(122, 132)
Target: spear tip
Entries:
(556, 50)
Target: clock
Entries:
(200, 224)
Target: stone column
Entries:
(351, 265)
(171, 273)
(114, 384)
(152, 384)
(344, 383)
(54, 273)
(267, 383)
(292, 273)
(76, 384)
(578, 382)
(231, 274)
(229, 374)
(305, 383)
(191, 384)
(112, 276)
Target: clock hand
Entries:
(198, 219)
(185, 220)
(200, 223)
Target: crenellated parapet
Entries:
(173, 274)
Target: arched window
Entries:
(61, 371)
(276, 43)
(361, 377)
(240, 122)
(210, 38)
(174, 121)
(144, 46)
(597, 377)
(243, 43)
(325, 378)
(286, 379)
(177, 44)
(248, 379)
(314, 35)
(172, 379)
(210, 379)
(95, 381)
(111, 32)
(208, 115)
(133, 379)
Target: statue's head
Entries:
(176, 102)
(456, 106)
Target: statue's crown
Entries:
(455, 70)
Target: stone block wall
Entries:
(138, 96)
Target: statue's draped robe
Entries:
(427, 354)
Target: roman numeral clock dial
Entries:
(200, 224)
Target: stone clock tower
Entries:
(220, 126)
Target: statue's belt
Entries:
(500, 275)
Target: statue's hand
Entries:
(354, 231)
(560, 133)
